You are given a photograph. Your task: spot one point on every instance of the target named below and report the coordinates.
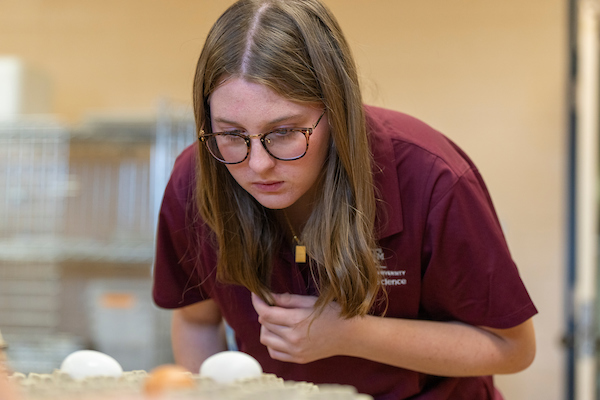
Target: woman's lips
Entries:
(268, 186)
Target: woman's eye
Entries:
(281, 132)
(232, 137)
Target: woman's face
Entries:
(254, 108)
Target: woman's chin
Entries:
(274, 202)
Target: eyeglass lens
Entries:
(284, 144)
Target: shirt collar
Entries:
(389, 219)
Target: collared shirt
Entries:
(442, 254)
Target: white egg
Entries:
(86, 363)
(230, 366)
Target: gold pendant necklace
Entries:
(300, 250)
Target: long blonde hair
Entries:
(297, 49)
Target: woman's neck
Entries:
(292, 221)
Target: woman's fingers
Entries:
(290, 310)
(287, 300)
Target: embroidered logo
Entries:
(389, 277)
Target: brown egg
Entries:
(167, 378)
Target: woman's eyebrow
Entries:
(224, 120)
(272, 122)
(285, 118)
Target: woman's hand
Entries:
(291, 331)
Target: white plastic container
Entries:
(23, 89)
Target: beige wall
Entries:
(489, 74)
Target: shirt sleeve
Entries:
(468, 272)
(176, 273)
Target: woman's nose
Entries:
(259, 160)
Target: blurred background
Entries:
(95, 104)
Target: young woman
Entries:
(342, 243)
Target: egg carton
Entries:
(130, 385)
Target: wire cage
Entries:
(34, 181)
(33, 177)
(34, 174)
(78, 210)
(175, 130)
(120, 166)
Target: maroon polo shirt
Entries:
(442, 252)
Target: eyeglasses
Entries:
(233, 147)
